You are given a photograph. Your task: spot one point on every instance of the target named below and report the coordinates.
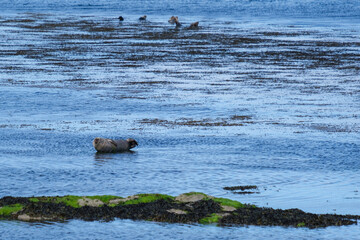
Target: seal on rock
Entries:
(110, 145)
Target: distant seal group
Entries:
(172, 20)
(106, 145)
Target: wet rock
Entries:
(186, 208)
(223, 214)
(27, 218)
(190, 197)
(176, 211)
(13, 200)
(228, 208)
(122, 200)
(24, 217)
(90, 202)
(278, 217)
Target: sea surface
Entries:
(263, 93)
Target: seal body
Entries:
(143, 18)
(194, 25)
(109, 145)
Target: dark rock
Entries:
(162, 210)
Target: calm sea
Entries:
(263, 93)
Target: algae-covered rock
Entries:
(89, 202)
(192, 197)
(213, 218)
(190, 207)
(228, 208)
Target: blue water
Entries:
(287, 8)
(264, 93)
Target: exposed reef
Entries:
(186, 208)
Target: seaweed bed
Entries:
(242, 189)
(185, 208)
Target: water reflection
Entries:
(103, 158)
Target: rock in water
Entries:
(110, 145)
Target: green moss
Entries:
(213, 218)
(104, 198)
(195, 193)
(302, 224)
(71, 200)
(147, 198)
(34, 199)
(9, 209)
(68, 200)
(229, 202)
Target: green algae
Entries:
(69, 200)
(206, 207)
(196, 193)
(229, 202)
(147, 198)
(213, 218)
(222, 201)
(104, 198)
(302, 224)
(72, 201)
(9, 209)
(34, 199)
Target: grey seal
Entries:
(110, 145)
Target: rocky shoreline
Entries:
(186, 208)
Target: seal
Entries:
(106, 145)
(194, 25)
(121, 18)
(143, 18)
(174, 20)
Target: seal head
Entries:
(132, 143)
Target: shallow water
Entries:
(265, 101)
